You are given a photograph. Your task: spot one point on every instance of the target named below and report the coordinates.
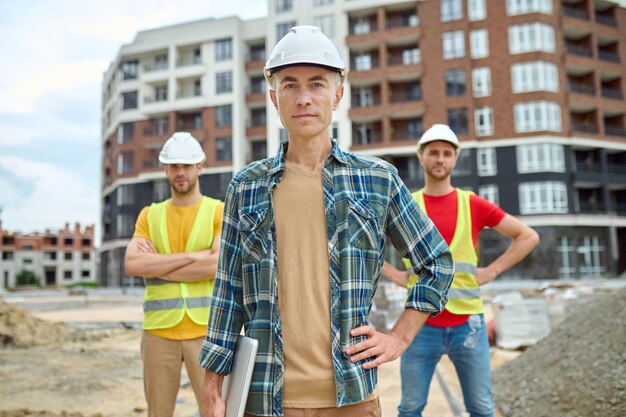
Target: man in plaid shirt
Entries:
(302, 247)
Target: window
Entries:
(223, 82)
(479, 43)
(283, 6)
(463, 164)
(68, 256)
(540, 157)
(128, 100)
(363, 97)
(84, 273)
(283, 28)
(455, 82)
(533, 116)
(334, 131)
(67, 275)
(490, 193)
(476, 10)
(363, 61)
(7, 255)
(125, 194)
(543, 197)
(483, 121)
(257, 85)
(68, 241)
(129, 70)
(125, 132)
(411, 56)
(160, 190)
(259, 150)
(223, 116)
(534, 76)
(317, 3)
(364, 134)
(531, 37)
(125, 164)
(223, 49)
(457, 120)
(160, 93)
(86, 256)
(453, 44)
(589, 257)
(361, 26)
(326, 23)
(414, 128)
(486, 162)
(283, 135)
(224, 147)
(124, 225)
(481, 82)
(514, 7)
(258, 117)
(451, 10)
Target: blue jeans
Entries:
(467, 346)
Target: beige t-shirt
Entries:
(304, 290)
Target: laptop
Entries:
(237, 383)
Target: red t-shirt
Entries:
(443, 208)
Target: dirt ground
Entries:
(50, 370)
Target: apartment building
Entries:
(57, 257)
(534, 89)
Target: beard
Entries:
(184, 189)
(438, 175)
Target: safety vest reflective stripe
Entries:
(155, 281)
(166, 304)
(465, 268)
(463, 293)
(197, 302)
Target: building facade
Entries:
(534, 89)
(57, 257)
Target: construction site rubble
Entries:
(19, 328)
(578, 370)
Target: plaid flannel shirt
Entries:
(365, 203)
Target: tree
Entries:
(26, 277)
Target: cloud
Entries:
(39, 195)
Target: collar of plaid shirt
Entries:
(366, 204)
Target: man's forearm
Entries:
(212, 403)
(409, 324)
(202, 268)
(155, 265)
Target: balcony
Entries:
(155, 99)
(589, 207)
(606, 20)
(187, 93)
(612, 93)
(189, 61)
(402, 21)
(608, 56)
(157, 66)
(574, 49)
(580, 88)
(615, 131)
(585, 127)
(572, 11)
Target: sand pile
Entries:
(19, 328)
(31, 413)
(579, 370)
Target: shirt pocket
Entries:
(364, 223)
(253, 231)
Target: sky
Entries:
(54, 54)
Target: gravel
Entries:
(579, 370)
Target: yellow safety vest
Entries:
(165, 302)
(464, 293)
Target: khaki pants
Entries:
(162, 363)
(365, 409)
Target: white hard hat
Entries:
(304, 45)
(181, 148)
(438, 132)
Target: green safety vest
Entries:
(464, 293)
(166, 302)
